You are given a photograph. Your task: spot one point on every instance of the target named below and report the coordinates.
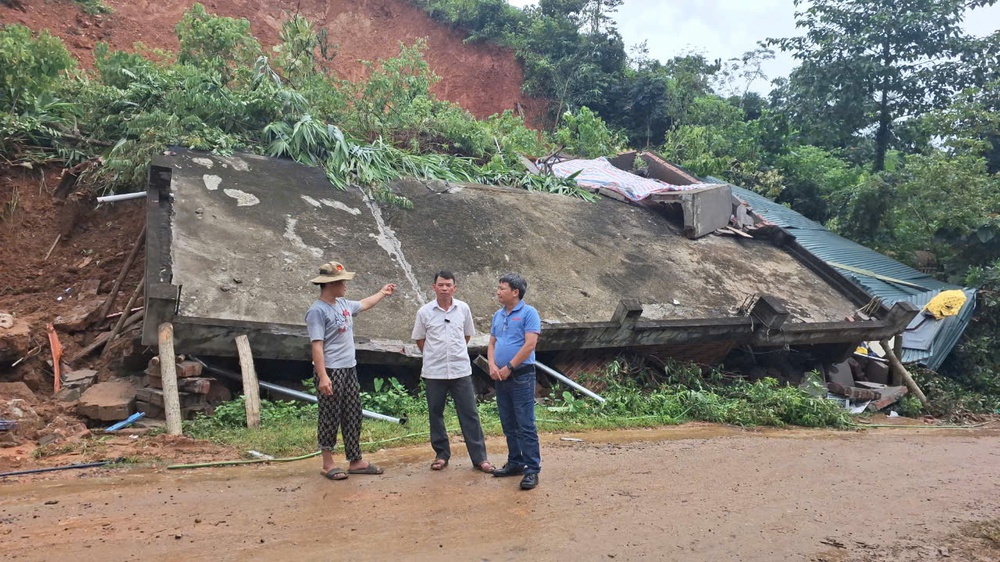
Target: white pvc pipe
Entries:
(296, 394)
(122, 197)
(569, 382)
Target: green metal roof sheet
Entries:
(892, 281)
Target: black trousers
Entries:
(464, 395)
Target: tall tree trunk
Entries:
(884, 118)
(882, 136)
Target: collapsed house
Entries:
(928, 339)
(233, 241)
(945, 309)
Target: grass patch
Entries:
(95, 447)
(682, 394)
(94, 7)
(10, 207)
(986, 530)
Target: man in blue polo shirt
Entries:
(511, 354)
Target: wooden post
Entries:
(251, 390)
(124, 273)
(168, 373)
(121, 319)
(897, 348)
(897, 365)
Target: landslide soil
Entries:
(691, 493)
(54, 253)
(482, 78)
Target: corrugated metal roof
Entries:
(889, 279)
(951, 330)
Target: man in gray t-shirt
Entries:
(330, 323)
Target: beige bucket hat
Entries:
(332, 271)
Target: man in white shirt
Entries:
(442, 330)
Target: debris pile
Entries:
(197, 394)
(863, 381)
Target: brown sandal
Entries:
(485, 466)
(439, 464)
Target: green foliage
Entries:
(396, 94)
(687, 392)
(233, 415)
(30, 65)
(897, 213)
(971, 124)
(217, 44)
(951, 399)
(94, 7)
(909, 406)
(867, 64)
(298, 49)
(585, 134)
(811, 177)
(494, 20)
(974, 365)
(391, 398)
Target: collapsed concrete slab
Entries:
(108, 401)
(233, 242)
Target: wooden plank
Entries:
(122, 319)
(168, 374)
(124, 273)
(251, 390)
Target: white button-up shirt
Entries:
(446, 353)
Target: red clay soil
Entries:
(37, 286)
(484, 79)
(42, 278)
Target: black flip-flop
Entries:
(372, 468)
(334, 474)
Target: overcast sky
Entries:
(728, 28)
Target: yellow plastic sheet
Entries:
(946, 303)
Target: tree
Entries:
(866, 64)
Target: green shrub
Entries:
(391, 398)
(585, 134)
(233, 415)
(218, 44)
(29, 66)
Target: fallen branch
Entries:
(52, 247)
(117, 314)
(78, 138)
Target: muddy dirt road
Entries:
(697, 492)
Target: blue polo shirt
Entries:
(509, 330)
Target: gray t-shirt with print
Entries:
(333, 324)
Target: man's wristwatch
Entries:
(509, 367)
